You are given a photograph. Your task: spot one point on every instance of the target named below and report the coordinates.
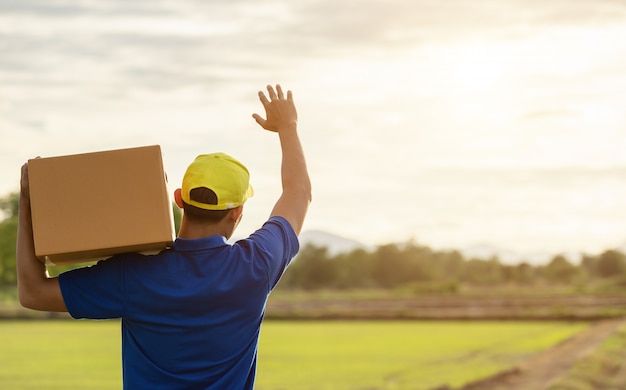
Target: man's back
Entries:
(190, 315)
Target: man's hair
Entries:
(198, 215)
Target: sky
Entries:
(455, 124)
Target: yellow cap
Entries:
(216, 182)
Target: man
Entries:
(191, 315)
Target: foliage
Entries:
(423, 270)
(9, 206)
(314, 272)
(178, 216)
(610, 263)
(560, 270)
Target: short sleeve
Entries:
(95, 292)
(277, 244)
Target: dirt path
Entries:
(542, 370)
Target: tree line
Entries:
(387, 266)
(427, 270)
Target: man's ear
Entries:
(178, 198)
(235, 213)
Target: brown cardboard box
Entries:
(90, 206)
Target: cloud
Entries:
(455, 110)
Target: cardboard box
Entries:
(91, 206)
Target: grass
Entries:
(396, 354)
(292, 354)
(60, 355)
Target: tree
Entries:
(610, 263)
(178, 216)
(482, 272)
(444, 266)
(423, 264)
(354, 269)
(392, 266)
(588, 264)
(9, 207)
(523, 274)
(311, 269)
(560, 270)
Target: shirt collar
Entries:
(186, 245)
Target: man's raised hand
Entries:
(280, 112)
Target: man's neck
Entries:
(193, 231)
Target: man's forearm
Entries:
(294, 173)
(35, 290)
(30, 271)
(296, 195)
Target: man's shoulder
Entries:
(275, 233)
(281, 222)
(276, 227)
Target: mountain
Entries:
(335, 244)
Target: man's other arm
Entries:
(35, 290)
(282, 117)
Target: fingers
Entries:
(24, 185)
(259, 120)
(25, 170)
(263, 99)
(279, 90)
(272, 94)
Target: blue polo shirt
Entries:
(191, 315)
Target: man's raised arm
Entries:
(282, 117)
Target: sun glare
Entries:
(475, 68)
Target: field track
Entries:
(541, 371)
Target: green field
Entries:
(293, 354)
